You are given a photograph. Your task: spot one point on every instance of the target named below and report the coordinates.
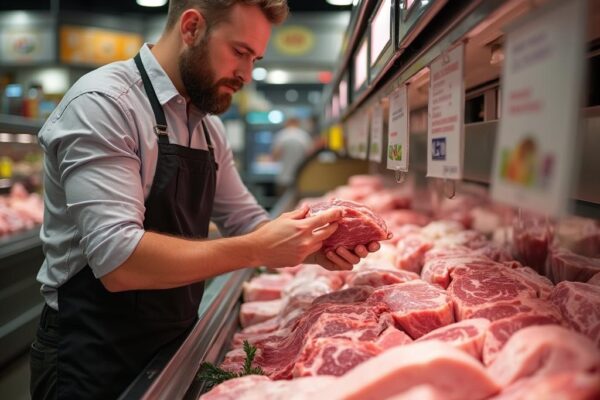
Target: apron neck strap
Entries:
(160, 129)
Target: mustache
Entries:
(235, 84)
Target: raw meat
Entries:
(379, 277)
(543, 351)
(437, 270)
(416, 306)
(265, 287)
(564, 265)
(257, 387)
(531, 244)
(467, 335)
(565, 385)
(410, 252)
(421, 392)
(359, 225)
(329, 356)
(528, 314)
(579, 304)
(392, 337)
(254, 312)
(595, 280)
(399, 369)
(476, 289)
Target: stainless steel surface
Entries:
(177, 376)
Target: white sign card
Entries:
(445, 133)
(542, 81)
(398, 128)
(376, 147)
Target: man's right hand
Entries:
(291, 238)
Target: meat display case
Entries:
(172, 374)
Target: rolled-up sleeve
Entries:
(235, 210)
(100, 173)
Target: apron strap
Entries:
(160, 129)
(211, 148)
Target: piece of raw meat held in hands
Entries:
(358, 225)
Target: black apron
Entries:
(106, 339)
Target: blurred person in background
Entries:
(291, 146)
(136, 165)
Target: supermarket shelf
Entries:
(17, 124)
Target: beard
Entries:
(200, 83)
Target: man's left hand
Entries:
(342, 258)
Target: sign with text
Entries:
(541, 95)
(376, 146)
(398, 143)
(445, 130)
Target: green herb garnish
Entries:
(213, 375)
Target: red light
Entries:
(325, 77)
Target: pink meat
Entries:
(564, 265)
(333, 356)
(564, 385)
(379, 277)
(594, 280)
(437, 270)
(265, 287)
(544, 351)
(579, 304)
(467, 335)
(392, 337)
(416, 306)
(410, 252)
(254, 312)
(399, 369)
(359, 225)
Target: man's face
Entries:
(222, 62)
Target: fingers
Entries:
(373, 247)
(347, 255)
(299, 213)
(338, 261)
(324, 218)
(323, 233)
(361, 251)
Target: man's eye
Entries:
(237, 52)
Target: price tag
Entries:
(398, 128)
(445, 138)
(375, 149)
(541, 95)
(362, 134)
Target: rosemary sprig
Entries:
(213, 375)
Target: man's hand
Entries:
(291, 238)
(342, 258)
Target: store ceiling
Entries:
(130, 7)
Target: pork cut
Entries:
(456, 374)
(416, 306)
(254, 312)
(579, 304)
(265, 287)
(564, 385)
(544, 351)
(564, 265)
(378, 277)
(333, 356)
(467, 335)
(595, 280)
(410, 252)
(358, 225)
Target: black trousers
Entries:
(43, 357)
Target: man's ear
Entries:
(192, 27)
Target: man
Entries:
(291, 146)
(135, 167)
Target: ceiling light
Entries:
(276, 117)
(151, 3)
(278, 77)
(259, 74)
(340, 2)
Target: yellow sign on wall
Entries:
(294, 40)
(84, 45)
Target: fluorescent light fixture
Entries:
(259, 74)
(276, 117)
(278, 77)
(151, 3)
(340, 2)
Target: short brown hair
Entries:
(216, 11)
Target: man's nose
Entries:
(244, 71)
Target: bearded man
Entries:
(136, 166)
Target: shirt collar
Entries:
(164, 88)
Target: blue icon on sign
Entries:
(438, 148)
